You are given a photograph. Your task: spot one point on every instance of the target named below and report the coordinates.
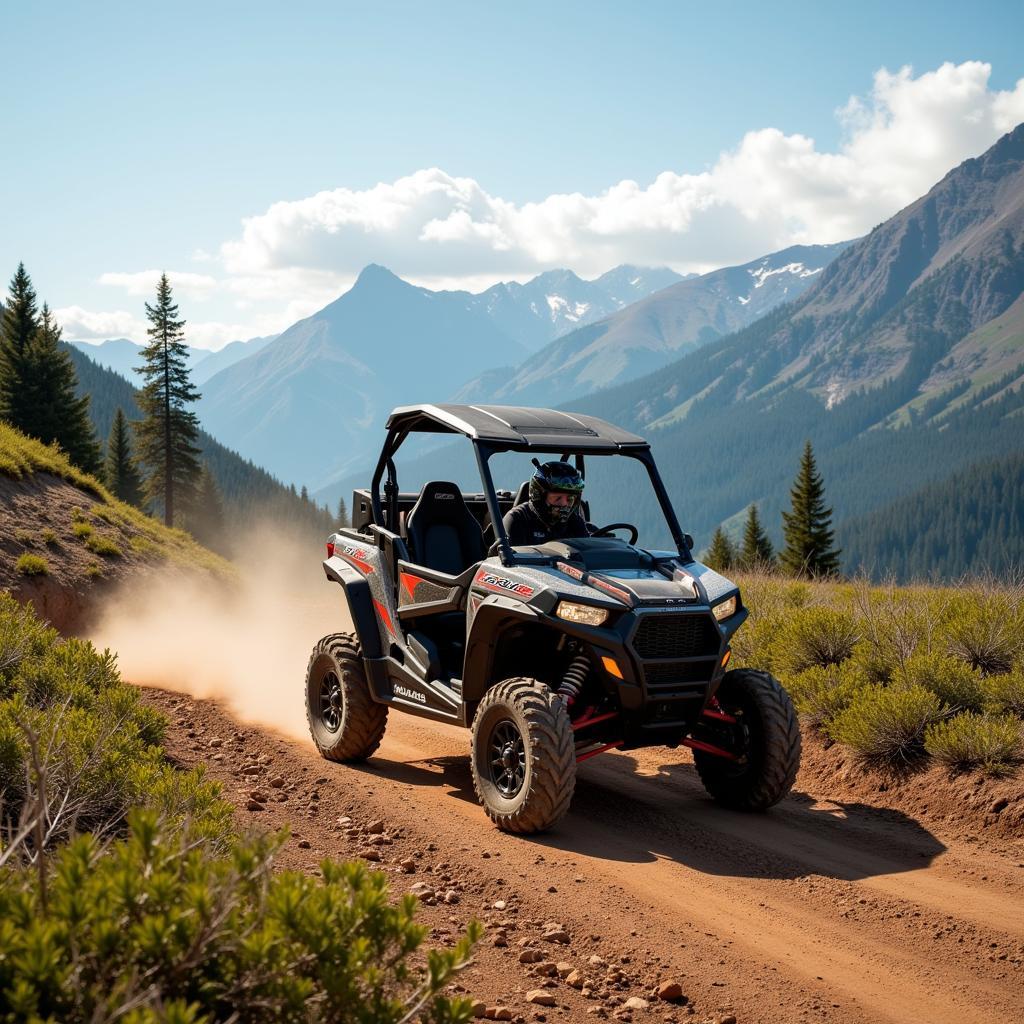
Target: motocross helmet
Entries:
(555, 477)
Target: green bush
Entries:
(986, 632)
(156, 918)
(819, 694)
(98, 544)
(975, 741)
(32, 565)
(954, 682)
(101, 743)
(885, 725)
(1005, 694)
(812, 637)
(81, 529)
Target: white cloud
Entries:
(770, 191)
(81, 324)
(144, 282)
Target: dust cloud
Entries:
(245, 645)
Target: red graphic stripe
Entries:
(383, 613)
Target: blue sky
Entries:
(138, 137)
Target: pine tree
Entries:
(721, 555)
(206, 516)
(342, 513)
(17, 329)
(756, 551)
(168, 431)
(123, 477)
(57, 414)
(807, 526)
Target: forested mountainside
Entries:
(251, 494)
(973, 521)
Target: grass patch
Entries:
(955, 683)
(81, 529)
(988, 742)
(32, 565)
(820, 694)
(98, 544)
(50, 539)
(1005, 694)
(24, 537)
(21, 456)
(94, 571)
(884, 725)
(142, 545)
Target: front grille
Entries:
(677, 636)
(672, 674)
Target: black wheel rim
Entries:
(506, 759)
(331, 702)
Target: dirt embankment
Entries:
(833, 907)
(89, 549)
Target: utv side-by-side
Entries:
(551, 653)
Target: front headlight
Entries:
(586, 614)
(724, 609)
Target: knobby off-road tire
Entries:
(773, 753)
(345, 722)
(529, 709)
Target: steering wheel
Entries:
(605, 531)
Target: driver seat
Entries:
(444, 534)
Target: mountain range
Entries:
(655, 330)
(305, 404)
(122, 355)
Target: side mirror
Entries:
(688, 541)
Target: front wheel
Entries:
(524, 756)
(346, 723)
(765, 737)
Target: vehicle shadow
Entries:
(621, 814)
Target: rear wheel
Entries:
(524, 756)
(345, 722)
(765, 736)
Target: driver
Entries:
(553, 509)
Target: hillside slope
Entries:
(64, 540)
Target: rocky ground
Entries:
(648, 902)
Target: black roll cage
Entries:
(386, 514)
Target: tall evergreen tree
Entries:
(721, 555)
(17, 329)
(756, 551)
(168, 431)
(807, 526)
(123, 477)
(342, 513)
(57, 414)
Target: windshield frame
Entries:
(507, 553)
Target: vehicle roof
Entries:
(517, 427)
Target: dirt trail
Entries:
(816, 911)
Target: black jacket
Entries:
(524, 527)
